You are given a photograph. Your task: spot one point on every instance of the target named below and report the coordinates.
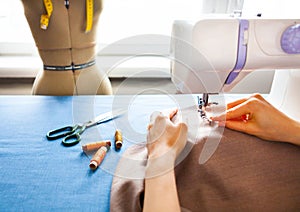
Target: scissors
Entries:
(72, 134)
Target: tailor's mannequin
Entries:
(65, 42)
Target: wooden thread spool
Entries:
(118, 139)
(95, 145)
(98, 157)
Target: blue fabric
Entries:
(37, 174)
(40, 175)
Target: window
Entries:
(272, 8)
(15, 36)
(120, 19)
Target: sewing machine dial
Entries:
(290, 40)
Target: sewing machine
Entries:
(213, 54)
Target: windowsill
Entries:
(28, 67)
(19, 66)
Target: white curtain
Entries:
(272, 8)
(221, 6)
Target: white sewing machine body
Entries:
(213, 54)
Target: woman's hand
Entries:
(165, 140)
(165, 136)
(256, 116)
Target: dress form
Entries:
(65, 43)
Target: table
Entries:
(37, 174)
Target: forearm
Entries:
(161, 193)
(160, 186)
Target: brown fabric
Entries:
(244, 174)
(63, 43)
(128, 184)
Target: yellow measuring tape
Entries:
(45, 18)
(89, 4)
(44, 21)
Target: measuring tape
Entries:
(89, 4)
(45, 18)
(44, 21)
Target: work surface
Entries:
(37, 174)
(45, 175)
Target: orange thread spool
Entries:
(118, 139)
(98, 157)
(95, 145)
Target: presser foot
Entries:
(202, 104)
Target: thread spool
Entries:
(98, 157)
(118, 139)
(95, 145)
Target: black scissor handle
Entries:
(61, 132)
(74, 138)
(71, 140)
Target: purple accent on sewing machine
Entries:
(290, 40)
(242, 52)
